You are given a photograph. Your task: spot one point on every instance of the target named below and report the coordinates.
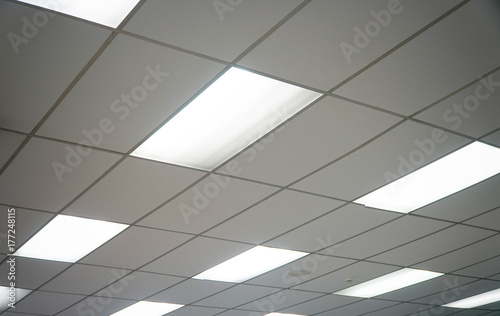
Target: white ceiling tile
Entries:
(400, 151)
(387, 236)
(27, 222)
(31, 180)
(221, 29)
(439, 66)
(358, 308)
(32, 273)
(337, 280)
(97, 306)
(138, 285)
(463, 257)
(487, 268)
(190, 291)
(288, 153)
(132, 93)
(46, 303)
(279, 300)
(472, 111)
(10, 142)
(433, 245)
(236, 296)
(119, 196)
(196, 311)
(320, 304)
(400, 309)
(237, 312)
(213, 252)
(493, 139)
(308, 48)
(332, 228)
(489, 220)
(39, 52)
(212, 200)
(83, 279)
(278, 214)
(467, 203)
(128, 249)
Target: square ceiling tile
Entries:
(83, 279)
(31, 180)
(209, 202)
(332, 228)
(32, 54)
(387, 236)
(439, 66)
(309, 47)
(26, 223)
(32, 273)
(400, 309)
(278, 214)
(128, 249)
(219, 29)
(213, 252)
(97, 306)
(190, 291)
(10, 142)
(471, 111)
(288, 153)
(119, 196)
(493, 139)
(402, 150)
(279, 300)
(132, 94)
(196, 311)
(359, 308)
(320, 304)
(46, 303)
(236, 296)
(489, 220)
(484, 269)
(467, 203)
(433, 245)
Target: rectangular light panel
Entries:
(5, 294)
(452, 173)
(249, 264)
(106, 12)
(476, 300)
(69, 238)
(232, 113)
(145, 308)
(389, 282)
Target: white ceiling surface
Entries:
(293, 189)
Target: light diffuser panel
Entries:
(452, 173)
(69, 238)
(236, 110)
(477, 300)
(389, 282)
(145, 308)
(249, 264)
(106, 12)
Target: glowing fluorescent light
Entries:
(69, 238)
(145, 308)
(236, 110)
(106, 12)
(249, 264)
(452, 173)
(476, 300)
(11, 296)
(389, 282)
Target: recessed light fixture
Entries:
(452, 173)
(249, 264)
(389, 282)
(232, 113)
(145, 308)
(476, 300)
(6, 293)
(106, 12)
(69, 238)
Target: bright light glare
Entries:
(389, 282)
(452, 173)
(145, 308)
(477, 300)
(106, 12)
(69, 238)
(236, 110)
(5, 294)
(249, 264)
